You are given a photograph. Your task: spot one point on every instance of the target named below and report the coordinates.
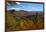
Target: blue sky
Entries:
(25, 6)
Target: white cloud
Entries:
(37, 9)
(18, 3)
(13, 8)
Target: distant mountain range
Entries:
(27, 13)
